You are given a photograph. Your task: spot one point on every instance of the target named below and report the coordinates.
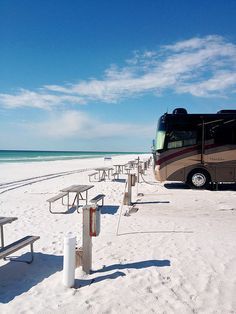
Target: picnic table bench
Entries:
(116, 175)
(104, 172)
(54, 199)
(98, 198)
(128, 170)
(7, 250)
(119, 168)
(92, 175)
(17, 245)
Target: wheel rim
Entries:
(199, 179)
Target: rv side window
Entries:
(178, 139)
(225, 136)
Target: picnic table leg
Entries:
(74, 200)
(2, 237)
(86, 197)
(13, 259)
(77, 202)
(68, 201)
(32, 254)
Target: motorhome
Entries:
(198, 149)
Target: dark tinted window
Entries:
(225, 133)
(178, 138)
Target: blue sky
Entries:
(96, 75)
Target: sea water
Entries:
(10, 156)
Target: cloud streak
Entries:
(69, 124)
(39, 99)
(202, 67)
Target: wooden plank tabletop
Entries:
(7, 220)
(122, 165)
(77, 188)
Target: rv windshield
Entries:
(160, 139)
(161, 134)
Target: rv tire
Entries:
(199, 179)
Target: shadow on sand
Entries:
(109, 209)
(119, 180)
(225, 187)
(135, 265)
(177, 185)
(184, 186)
(153, 202)
(79, 283)
(18, 278)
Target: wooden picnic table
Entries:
(128, 170)
(132, 163)
(104, 172)
(78, 189)
(119, 168)
(3, 221)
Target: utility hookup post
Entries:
(138, 170)
(132, 178)
(129, 190)
(87, 241)
(91, 228)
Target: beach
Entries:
(173, 251)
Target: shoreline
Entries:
(22, 156)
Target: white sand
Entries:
(176, 254)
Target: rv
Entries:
(198, 149)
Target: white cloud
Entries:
(195, 43)
(193, 66)
(192, 62)
(69, 124)
(41, 99)
(211, 87)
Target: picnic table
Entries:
(132, 163)
(3, 221)
(128, 170)
(104, 172)
(79, 190)
(119, 168)
(7, 250)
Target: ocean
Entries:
(10, 156)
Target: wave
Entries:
(39, 156)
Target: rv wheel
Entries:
(199, 179)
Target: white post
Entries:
(87, 241)
(129, 190)
(69, 260)
(138, 170)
